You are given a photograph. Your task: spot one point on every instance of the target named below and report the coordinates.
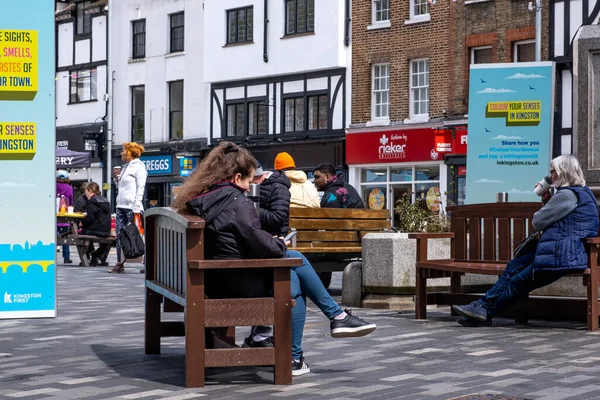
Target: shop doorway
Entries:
(154, 195)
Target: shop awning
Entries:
(67, 159)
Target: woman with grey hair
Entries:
(565, 220)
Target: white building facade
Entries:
(81, 77)
(279, 77)
(160, 99)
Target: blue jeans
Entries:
(66, 250)
(306, 282)
(516, 282)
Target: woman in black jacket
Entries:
(215, 192)
(274, 211)
(96, 221)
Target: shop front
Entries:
(386, 164)
(165, 173)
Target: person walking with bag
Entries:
(565, 220)
(131, 183)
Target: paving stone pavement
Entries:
(94, 350)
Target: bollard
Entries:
(254, 194)
(502, 197)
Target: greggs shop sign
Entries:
(403, 146)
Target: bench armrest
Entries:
(443, 235)
(251, 263)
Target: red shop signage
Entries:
(459, 142)
(392, 146)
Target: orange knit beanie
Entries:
(283, 161)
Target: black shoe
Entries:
(474, 311)
(473, 323)
(299, 367)
(68, 261)
(95, 262)
(250, 342)
(350, 326)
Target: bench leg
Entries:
(592, 303)
(420, 296)
(82, 251)
(152, 331)
(195, 338)
(283, 327)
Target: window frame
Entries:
(413, 5)
(136, 117)
(521, 42)
(173, 29)
(134, 35)
(374, 116)
(82, 25)
(307, 16)
(413, 115)
(258, 102)
(237, 25)
(472, 51)
(93, 77)
(374, 11)
(173, 135)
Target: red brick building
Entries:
(410, 71)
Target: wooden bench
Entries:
(175, 268)
(82, 243)
(332, 237)
(483, 237)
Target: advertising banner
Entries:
(510, 130)
(27, 160)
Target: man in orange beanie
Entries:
(303, 193)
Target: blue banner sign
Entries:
(158, 165)
(27, 160)
(187, 165)
(510, 130)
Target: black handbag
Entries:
(529, 245)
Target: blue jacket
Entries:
(561, 246)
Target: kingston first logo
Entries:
(392, 150)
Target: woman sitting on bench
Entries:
(215, 192)
(96, 222)
(565, 220)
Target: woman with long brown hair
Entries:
(215, 192)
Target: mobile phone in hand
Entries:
(289, 236)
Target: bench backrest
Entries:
(336, 227)
(172, 239)
(490, 231)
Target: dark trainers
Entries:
(299, 367)
(474, 310)
(473, 323)
(250, 342)
(350, 326)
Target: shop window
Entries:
(177, 32)
(524, 51)
(419, 182)
(83, 85)
(176, 110)
(481, 55)
(419, 89)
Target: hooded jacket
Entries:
(303, 193)
(64, 189)
(232, 231)
(561, 246)
(97, 219)
(274, 204)
(131, 186)
(340, 194)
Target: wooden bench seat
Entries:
(175, 268)
(82, 243)
(330, 238)
(483, 238)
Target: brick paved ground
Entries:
(94, 350)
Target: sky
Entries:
(27, 188)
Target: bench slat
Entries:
(166, 292)
(355, 249)
(339, 213)
(238, 312)
(488, 268)
(254, 263)
(329, 236)
(329, 244)
(239, 357)
(340, 224)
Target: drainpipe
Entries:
(265, 31)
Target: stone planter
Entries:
(389, 265)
